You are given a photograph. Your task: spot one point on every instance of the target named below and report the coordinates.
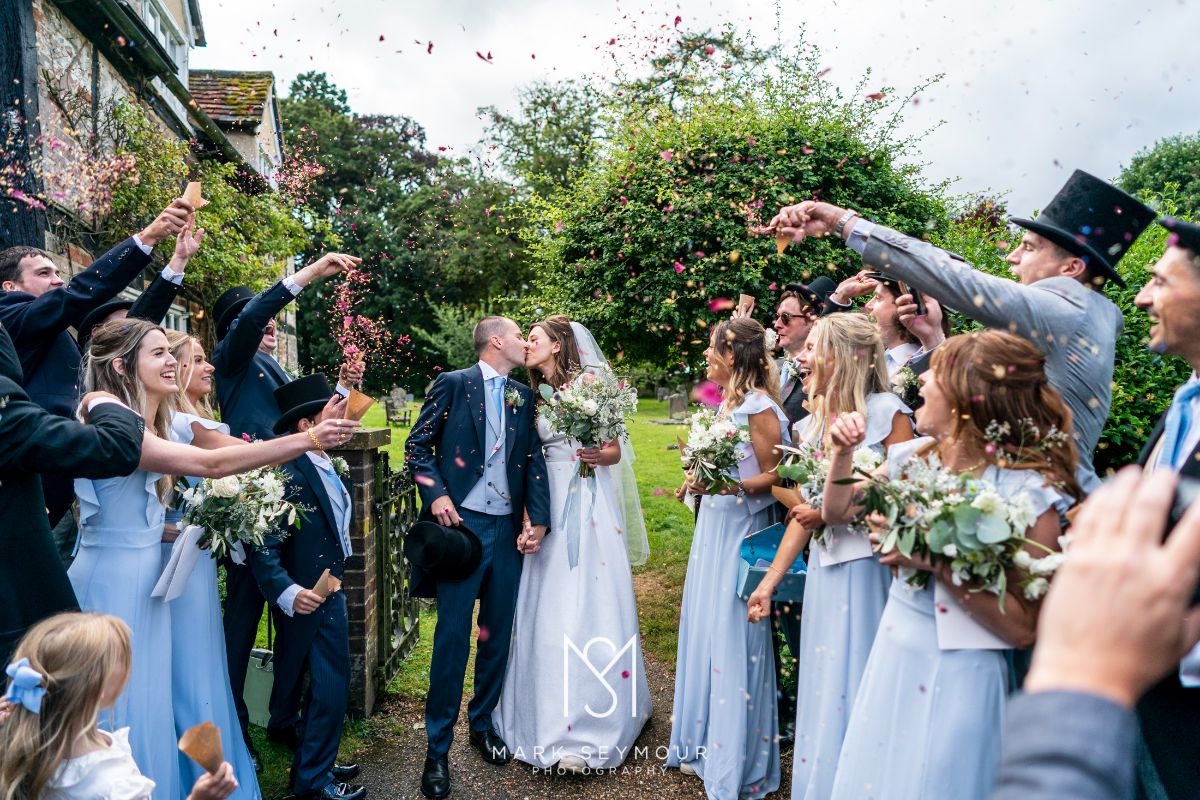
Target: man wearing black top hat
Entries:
(1063, 260)
(1170, 711)
(798, 307)
(247, 376)
(37, 308)
(313, 628)
(477, 460)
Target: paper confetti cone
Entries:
(192, 195)
(782, 240)
(202, 743)
(324, 586)
(787, 495)
(358, 404)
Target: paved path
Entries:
(392, 766)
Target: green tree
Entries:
(550, 139)
(654, 234)
(1174, 160)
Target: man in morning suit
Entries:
(1170, 711)
(475, 455)
(313, 629)
(247, 376)
(37, 308)
(1063, 260)
(36, 441)
(797, 310)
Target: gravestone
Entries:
(677, 406)
(661, 393)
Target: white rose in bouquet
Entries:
(229, 486)
(590, 408)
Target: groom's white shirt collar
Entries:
(488, 372)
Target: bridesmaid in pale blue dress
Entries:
(200, 673)
(121, 526)
(846, 587)
(929, 713)
(724, 727)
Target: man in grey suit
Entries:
(1116, 619)
(1062, 262)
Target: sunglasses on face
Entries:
(787, 317)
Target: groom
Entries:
(477, 461)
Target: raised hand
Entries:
(335, 408)
(326, 265)
(170, 222)
(855, 286)
(186, 244)
(926, 327)
(351, 373)
(802, 220)
(847, 432)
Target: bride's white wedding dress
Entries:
(553, 704)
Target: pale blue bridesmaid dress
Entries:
(116, 567)
(843, 604)
(927, 722)
(200, 681)
(724, 721)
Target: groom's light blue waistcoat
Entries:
(491, 495)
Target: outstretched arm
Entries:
(161, 455)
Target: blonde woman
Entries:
(724, 725)
(200, 690)
(846, 587)
(121, 526)
(66, 670)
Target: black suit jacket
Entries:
(445, 449)
(793, 402)
(48, 353)
(36, 441)
(246, 378)
(300, 553)
(1169, 712)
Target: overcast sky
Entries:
(1032, 89)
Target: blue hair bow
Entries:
(26, 687)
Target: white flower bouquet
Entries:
(593, 409)
(808, 468)
(237, 509)
(963, 521)
(711, 452)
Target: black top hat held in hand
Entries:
(302, 398)
(1094, 220)
(443, 552)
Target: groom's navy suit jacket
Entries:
(445, 450)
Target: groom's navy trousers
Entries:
(494, 582)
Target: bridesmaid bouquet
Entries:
(712, 449)
(593, 409)
(808, 467)
(963, 521)
(237, 510)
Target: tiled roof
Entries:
(230, 97)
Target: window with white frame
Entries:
(163, 28)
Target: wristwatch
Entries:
(841, 223)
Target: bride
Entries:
(575, 692)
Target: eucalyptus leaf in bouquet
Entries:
(711, 451)
(239, 509)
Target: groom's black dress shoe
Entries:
(435, 780)
(490, 746)
(335, 791)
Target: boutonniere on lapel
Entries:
(341, 467)
(791, 370)
(513, 399)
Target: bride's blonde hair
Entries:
(76, 653)
(858, 368)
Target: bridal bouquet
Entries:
(712, 449)
(963, 521)
(237, 509)
(593, 409)
(808, 467)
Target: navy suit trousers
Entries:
(495, 583)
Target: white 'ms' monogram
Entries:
(569, 646)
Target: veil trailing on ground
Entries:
(637, 545)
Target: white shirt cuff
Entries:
(292, 286)
(171, 275)
(145, 248)
(858, 235)
(342, 390)
(99, 401)
(288, 598)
